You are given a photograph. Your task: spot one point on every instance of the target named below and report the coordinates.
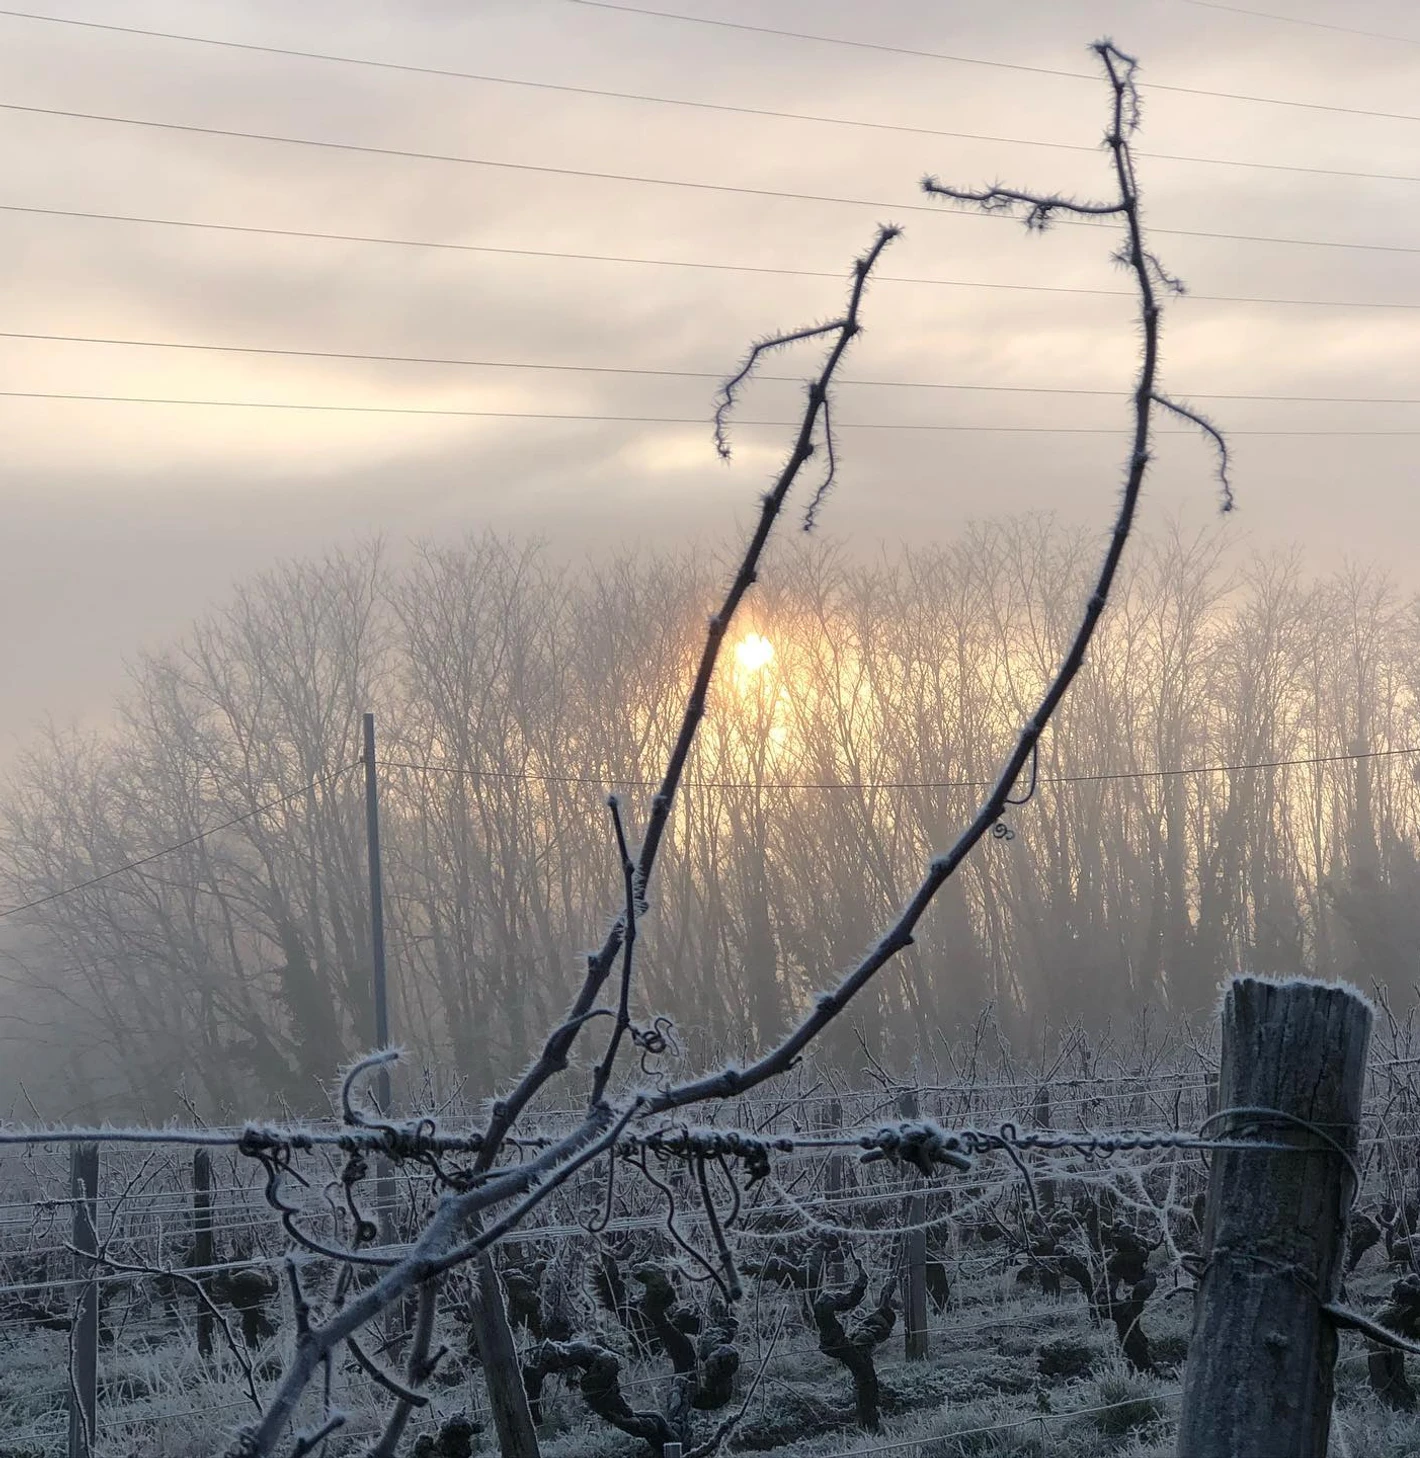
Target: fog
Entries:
(363, 360)
(857, 713)
(125, 520)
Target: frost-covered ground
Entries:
(1011, 1374)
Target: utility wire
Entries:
(604, 419)
(182, 844)
(944, 283)
(1090, 779)
(546, 169)
(523, 776)
(511, 364)
(833, 40)
(646, 98)
(1408, 40)
(412, 69)
(707, 186)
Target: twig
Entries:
(733, 1289)
(406, 1395)
(309, 1442)
(713, 1442)
(198, 1290)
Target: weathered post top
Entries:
(1261, 1359)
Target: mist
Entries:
(1228, 786)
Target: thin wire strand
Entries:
(1408, 40)
(417, 70)
(1083, 779)
(600, 418)
(672, 374)
(718, 187)
(646, 98)
(191, 840)
(993, 65)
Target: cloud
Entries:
(131, 518)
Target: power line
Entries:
(510, 364)
(724, 107)
(1408, 40)
(833, 40)
(823, 785)
(728, 267)
(707, 186)
(605, 419)
(192, 840)
(523, 776)
(640, 179)
(451, 74)
(633, 260)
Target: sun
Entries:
(754, 652)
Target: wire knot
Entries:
(922, 1144)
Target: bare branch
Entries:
(167, 1273)
(1195, 417)
(1039, 210)
(406, 1395)
(554, 1055)
(309, 1442)
(1119, 70)
(727, 397)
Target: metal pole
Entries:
(84, 1354)
(377, 909)
(202, 1252)
(384, 1171)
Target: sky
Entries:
(124, 521)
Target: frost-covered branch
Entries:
(555, 1052)
(1039, 209)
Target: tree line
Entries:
(860, 708)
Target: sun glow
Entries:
(754, 652)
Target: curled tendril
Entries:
(1034, 779)
(368, 1064)
(654, 1042)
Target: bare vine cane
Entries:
(1039, 209)
(438, 1247)
(814, 423)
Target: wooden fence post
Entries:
(1040, 1112)
(84, 1337)
(1260, 1362)
(502, 1373)
(914, 1275)
(202, 1255)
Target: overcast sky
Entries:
(123, 521)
